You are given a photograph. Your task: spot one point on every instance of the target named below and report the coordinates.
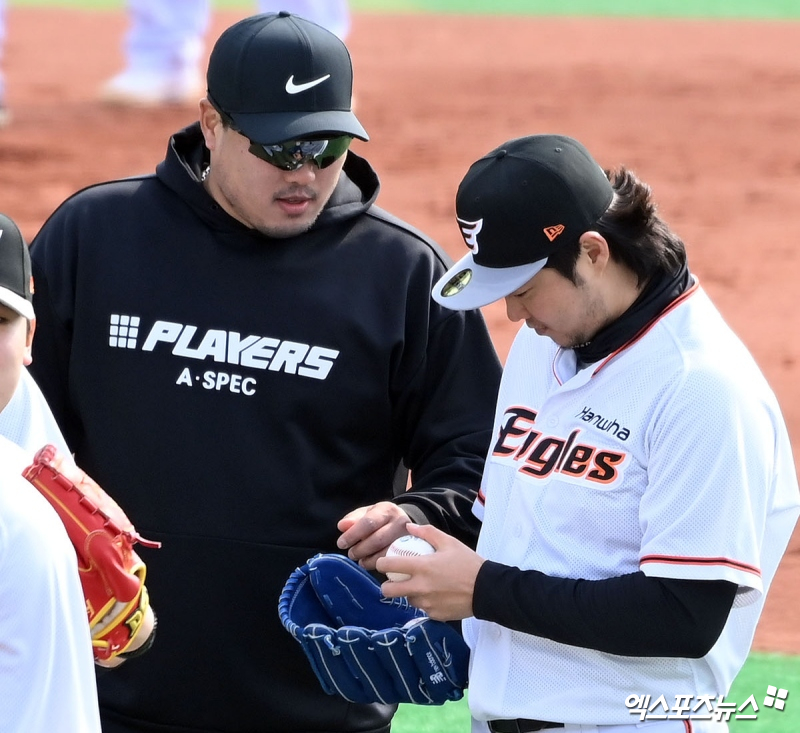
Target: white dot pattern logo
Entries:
(123, 331)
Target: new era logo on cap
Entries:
(16, 282)
(552, 232)
(531, 195)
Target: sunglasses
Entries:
(292, 154)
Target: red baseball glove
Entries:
(112, 574)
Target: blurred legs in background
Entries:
(4, 115)
(166, 40)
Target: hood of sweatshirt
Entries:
(187, 157)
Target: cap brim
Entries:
(16, 303)
(279, 126)
(466, 285)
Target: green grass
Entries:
(659, 8)
(759, 671)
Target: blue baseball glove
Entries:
(365, 647)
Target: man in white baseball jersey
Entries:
(47, 679)
(639, 490)
(47, 668)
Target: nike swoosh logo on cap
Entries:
(292, 88)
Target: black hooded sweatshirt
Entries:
(237, 395)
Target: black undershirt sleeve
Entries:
(631, 615)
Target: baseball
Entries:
(407, 546)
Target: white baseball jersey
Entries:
(47, 680)
(671, 457)
(27, 420)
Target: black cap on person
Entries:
(515, 207)
(281, 77)
(16, 282)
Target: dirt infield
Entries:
(707, 113)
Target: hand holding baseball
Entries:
(442, 582)
(368, 531)
(407, 546)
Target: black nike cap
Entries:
(280, 77)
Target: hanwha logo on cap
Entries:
(470, 231)
(456, 283)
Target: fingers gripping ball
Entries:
(407, 546)
(365, 647)
(112, 574)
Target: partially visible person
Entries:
(243, 345)
(640, 489)
(164, 45)
(47, 679)
(5, 115)
(166, 40)
(47, 668)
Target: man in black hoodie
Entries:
(242, 348)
